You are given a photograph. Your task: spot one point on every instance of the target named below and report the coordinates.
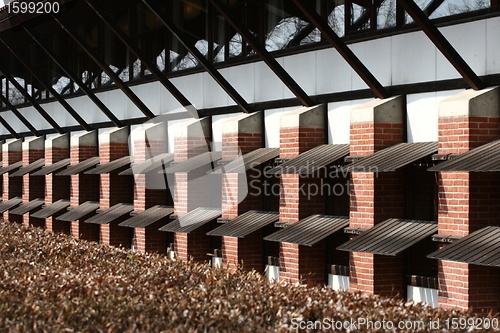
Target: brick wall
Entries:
(84, 187)
(33, 186)
(195, 245)
(375, 196)
(56, 187)
(468, 201)
(12, 187)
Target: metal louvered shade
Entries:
(485, 158)
(111, 214)
(195, 162)
(6, 205)
(245, 224)
(147, 217)
(192, 220)
(76, 213)
(310, 230)
(391, 237)
(51, 209)
(394, 157)
(29, 168)
(249, 160)
(313, 160)
(47, 170)
(111, 166)
(481, 247)
(149, 165)
(79, 167)
(11, 167)
(27, 207)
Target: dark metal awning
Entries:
(249, 160)
(192, 220)
(196, 162)
(6, 205)
(147, 217)
(11, 167)
(79, 167)
(76, 213)
(313, 160)
(149, 165)
(27, 207)
(481, 247)
(111, 214)
(394, 157)
(111, 166)
(47, 170)
(245, 224)
(310, 230)
(29, 168)
(391, 237)
(51, 209)
(485, 158)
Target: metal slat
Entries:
(111, 166)
(481, 247)
(79, 167)
(147, 217)
(394, 157)
(29, 168)
(250, 160)
(192, 220)
(195, 162)
(6, 205)
(310, 230)
(391, 237)
(51, 209)
(312, 160)
(46, 170)
(245, 224)
(76, 213)
(150, 165)
(27, 207)
(111, 214)
(11, 167)
(485, 158)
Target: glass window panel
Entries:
(386, 14)
(336, 20)
(454, 7)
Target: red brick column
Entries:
(56, 187)
(468, 201)
(84, 187)
(115, 189)
(241, 135)
(12, 187)
(191, 138)
(375, 196)
(150, 190)
(300, 130)
(33, 186)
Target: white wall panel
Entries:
(302, 68)
(192, 87)
(413, 58)
(35, 118)
(150, 94)
(376, 56)
(242, 78)
(492, 46)
(339, 120)
(267, 85)
(14, 122)
(213, 94)
(422, 119)
(333, 73)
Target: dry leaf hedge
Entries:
(53, 283)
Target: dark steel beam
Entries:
(33, 101)
(344, 51)
(76, 80)
(9, 128)
(105, 68)
(263, 54)
(18, 114)
(199, 57)
(135, 50)
(441, 43)
(48, 87)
